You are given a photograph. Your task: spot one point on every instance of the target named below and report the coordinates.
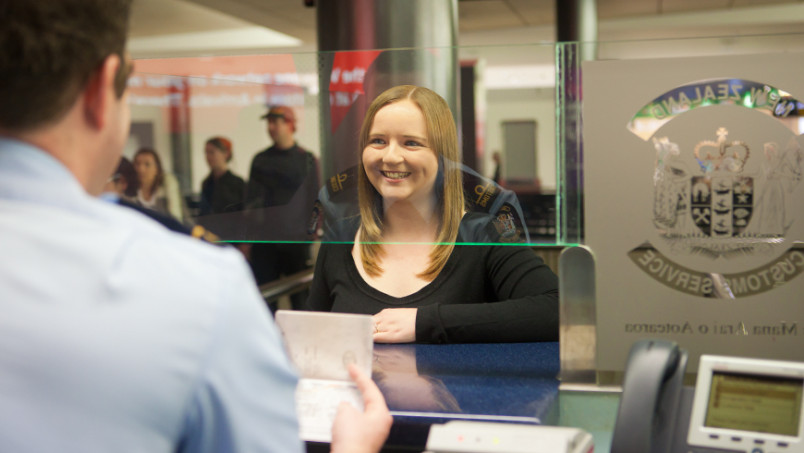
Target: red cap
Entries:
(280, 111)
(221, 142)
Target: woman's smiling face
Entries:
(398, 159)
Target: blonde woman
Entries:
(404, 266)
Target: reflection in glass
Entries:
(395, 372)
(513, 381)
(182, 102)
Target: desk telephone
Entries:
(737, 404)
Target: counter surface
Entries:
(425, 384)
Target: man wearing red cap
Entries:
(282, 188)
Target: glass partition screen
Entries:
(267, 148)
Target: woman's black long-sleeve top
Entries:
(484, 293)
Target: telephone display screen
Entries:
(763, 404)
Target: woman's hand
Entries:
(395, 325)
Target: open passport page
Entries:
(321, 345)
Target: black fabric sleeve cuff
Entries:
(429, 328)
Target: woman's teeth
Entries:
(395, 174)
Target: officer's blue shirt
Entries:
(118, 335)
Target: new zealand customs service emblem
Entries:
(721, 200)
(708, 203)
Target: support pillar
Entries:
(355, 65)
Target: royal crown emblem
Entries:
(728, 155)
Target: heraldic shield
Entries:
(722, 205)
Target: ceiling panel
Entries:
(514, 21)
(534, 12)
(166, 17)
(487, 14)
(674, 6)
(608, 9)
(285, 16)
(742, 3)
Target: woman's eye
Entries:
(377, 141)
(413, 143)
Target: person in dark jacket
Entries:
(282, 187)
(222, 191)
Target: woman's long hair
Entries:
(159, 180)
(125, 170)
(442, 136)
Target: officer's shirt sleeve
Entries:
(244, 398)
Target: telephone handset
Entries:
(652, 386)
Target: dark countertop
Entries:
(425, 384)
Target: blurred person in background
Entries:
(122, 188)
(158, 190)
(221, 191)
(282, 188)
(497, 158)
(124, 183)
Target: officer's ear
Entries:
(99, 93)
